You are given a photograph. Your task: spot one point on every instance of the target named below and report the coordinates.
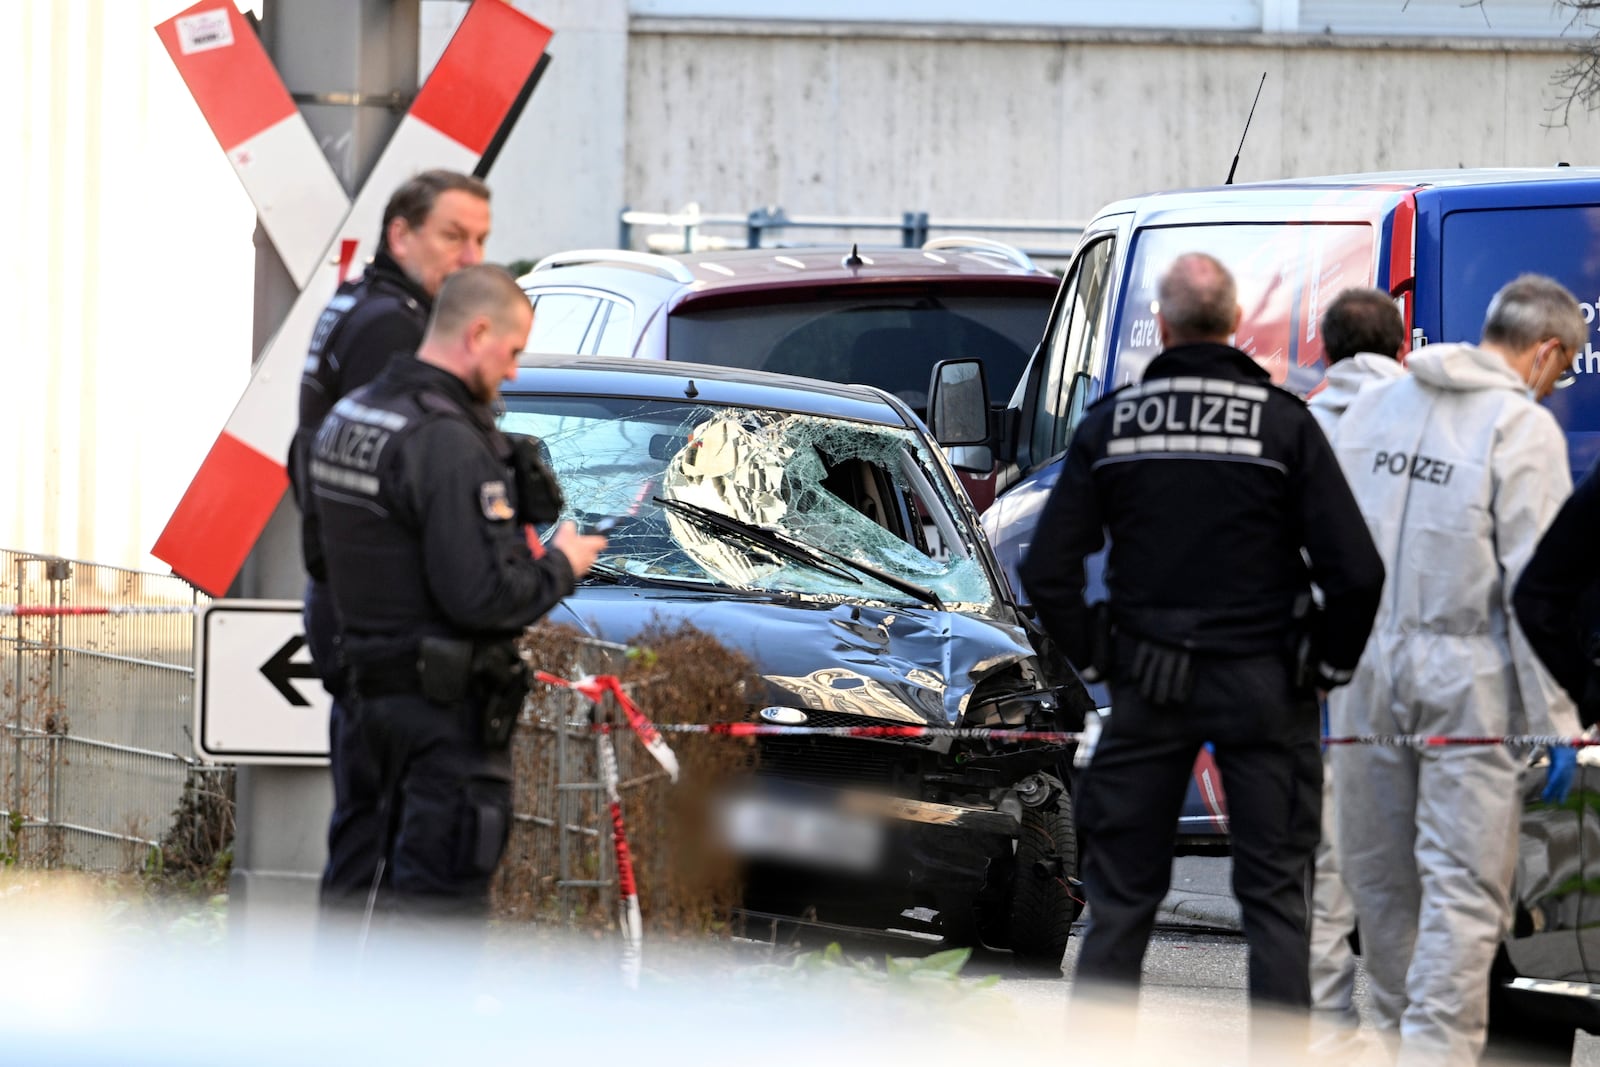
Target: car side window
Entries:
(560, 322)
(1068, 384)
(616, 333)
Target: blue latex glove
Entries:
(1563, 768)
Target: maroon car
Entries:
(879, 317)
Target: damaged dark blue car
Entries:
(819, 529)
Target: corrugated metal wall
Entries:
(128, 279)
(1445, 18)
(1491, 18)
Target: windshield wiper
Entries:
(757, 535)
(889, 578)
(806, 553)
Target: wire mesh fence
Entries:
(98, 768)
(95, 711)
(560, 865)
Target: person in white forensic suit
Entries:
(1458, 471)
(1362, 334)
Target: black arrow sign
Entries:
(278, 670)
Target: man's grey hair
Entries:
(1362, 320)
(1532, 308)
(1198, 299)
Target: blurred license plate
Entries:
(759, 828)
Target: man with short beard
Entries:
(433, 581)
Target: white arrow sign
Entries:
(257, 697)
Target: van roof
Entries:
(1352, 193)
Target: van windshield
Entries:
(1286, 273)
(882, 340)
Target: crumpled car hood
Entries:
(908, 665)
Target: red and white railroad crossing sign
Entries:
(458, 120)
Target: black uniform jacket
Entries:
(368, 321)
(419, 516)
(1215, 488)
(1558, 595)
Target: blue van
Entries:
(1441, 243)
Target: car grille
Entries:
(837, 761)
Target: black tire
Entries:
(1045, 897)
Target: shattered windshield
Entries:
(759, 500)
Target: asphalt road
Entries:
(1194, 994)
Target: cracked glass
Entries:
(759, 500)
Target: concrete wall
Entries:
(1053, 124)
(558, 181)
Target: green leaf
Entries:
(948, 962)
(900, 968)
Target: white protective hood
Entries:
(1458, 472)
(1345, 379)
(1464, 368)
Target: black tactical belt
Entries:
(386, 678)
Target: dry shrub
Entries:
(676, 674)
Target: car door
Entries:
(1064, 377)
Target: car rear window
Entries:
(891, 342)
(1286, 274)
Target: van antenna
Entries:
(1246, 132)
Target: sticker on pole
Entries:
(257, 695)
(204, 30)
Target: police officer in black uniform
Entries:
(435, 223)
(433, 580)
(1215, 489)
(1558, 598)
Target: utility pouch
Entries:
(1163, 673)
(539, 498)
(500, 686)
(444, 669)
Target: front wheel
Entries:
(1045, 895)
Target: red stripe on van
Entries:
(1403, 261)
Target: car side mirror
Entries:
(958, 403)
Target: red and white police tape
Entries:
(628, 917)
(595, 688)
(45, 611)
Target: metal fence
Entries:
(684, 230)
(96, 754)
(560, 864)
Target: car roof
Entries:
(674, 381)
(1352, 193)
(706, 273)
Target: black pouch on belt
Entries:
(500, 684)
(444, 669)
(1163, 673)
